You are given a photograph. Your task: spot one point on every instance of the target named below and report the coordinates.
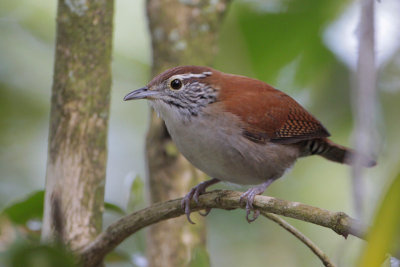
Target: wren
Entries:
(236, 129)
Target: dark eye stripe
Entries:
(192, 98)
(175, 103)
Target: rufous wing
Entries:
(267, 113)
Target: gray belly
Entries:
(213, 147)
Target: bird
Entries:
(237, 129)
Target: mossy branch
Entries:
(117, 232)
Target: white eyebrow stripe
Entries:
(192, 75)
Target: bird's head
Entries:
(185, 90)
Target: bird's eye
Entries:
(176, 84)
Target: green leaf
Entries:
(31, 207)
(29, 254)
(136, 195)
(275, 39)
(385, 233)
(114, 208)
(200, 257)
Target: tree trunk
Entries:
(77, 152)
(183, 33)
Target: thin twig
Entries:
(364, 101)
(117, 232)
(314, 248)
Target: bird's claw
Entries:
(256, 213)
(194, 194)
(249, 195)
(205, 213)
(185, 204)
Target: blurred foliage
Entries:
(384, 236)
(114, 208)
(118, 256)
(199, 258)
(12, 117)
(20, 224)
(276, 39)
(136, 194)
(34, 254)
(29, 208)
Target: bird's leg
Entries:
(194, 193)
(249, 195)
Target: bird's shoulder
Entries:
(267, 114)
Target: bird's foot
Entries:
(194, 193)
(249, 195)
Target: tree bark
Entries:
(77, 152)
(183, 33)
(117, 232)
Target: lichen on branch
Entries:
(117, 232)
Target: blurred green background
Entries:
(306, 48)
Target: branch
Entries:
(285, 225)
(364, 98)
(117, 232)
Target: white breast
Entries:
(213, 143)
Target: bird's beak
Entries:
(141, 93)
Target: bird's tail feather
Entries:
(334, 152)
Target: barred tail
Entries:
(334, 152)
